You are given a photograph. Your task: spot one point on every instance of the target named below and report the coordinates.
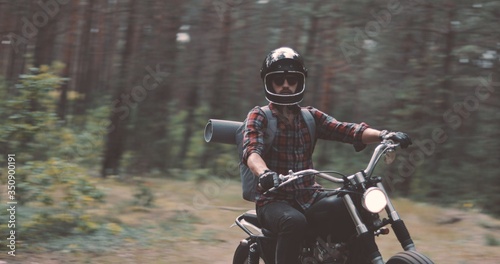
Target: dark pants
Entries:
(290, 225)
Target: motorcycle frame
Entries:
(366, 236)
(256, 240)
(397, 223)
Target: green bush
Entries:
(53, 191)
(143, 196)
(28, 110)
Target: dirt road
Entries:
(190, 223)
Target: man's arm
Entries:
(256, 164)
(370, 136)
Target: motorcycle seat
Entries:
(251, 217)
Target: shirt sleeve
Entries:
(330, 129)
(253, 136)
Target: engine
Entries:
(326, 252)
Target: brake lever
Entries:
(285, 179)
(390, 143)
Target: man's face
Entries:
(285, 83)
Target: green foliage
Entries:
(31, 124)
(54, 192)
(83, 146)
(62, 194)
(181, 223)
(47, 182)
(144, 196)
(491, 240)
(28, 111)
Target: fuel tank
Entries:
(329, 216)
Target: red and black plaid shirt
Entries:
(291, 149)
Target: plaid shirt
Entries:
(291, 149)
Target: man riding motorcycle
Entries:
(283, 211)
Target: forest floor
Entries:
(189, 222)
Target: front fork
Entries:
(368, 239)
(398, 226)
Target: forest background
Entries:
(108, 88)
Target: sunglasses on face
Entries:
(279, 79)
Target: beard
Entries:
(286, 91)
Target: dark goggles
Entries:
(279, 78)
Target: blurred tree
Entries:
(154, 109)
(117, 131)
(43, 53)
(219, 89)
(18, 31)
(200, 24)
(69, 49)
(85, 60)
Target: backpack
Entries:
(248, 180)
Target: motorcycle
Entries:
(357, 206)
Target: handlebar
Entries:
(385, 146)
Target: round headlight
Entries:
(374, 200)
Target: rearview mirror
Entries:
(389, 156)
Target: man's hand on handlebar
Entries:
(269, 179)
(402, 138)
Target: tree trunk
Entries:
(218, 101)
(85, 61)
(153, 150)
(19, 40)
(69, 48)
(117, 133)
(43, 53)
(7, 26)
(193, 96)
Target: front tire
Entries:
(409, 257)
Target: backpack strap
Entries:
(311, 126)
(272, 127)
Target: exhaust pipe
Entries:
(221, 131)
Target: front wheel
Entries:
(409, 257)
(241, 256)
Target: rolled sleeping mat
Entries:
(221, 131)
